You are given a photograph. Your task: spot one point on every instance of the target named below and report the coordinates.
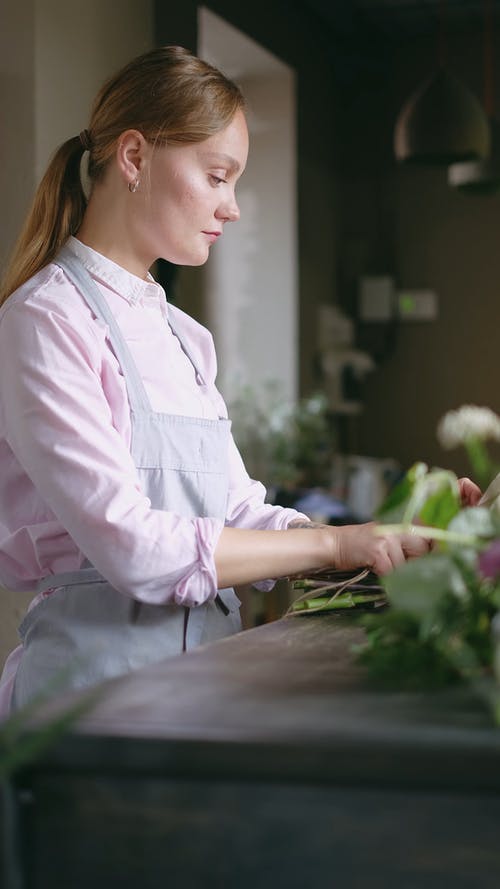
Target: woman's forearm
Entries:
(245, 556)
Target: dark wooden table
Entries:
(266, 760)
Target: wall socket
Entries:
(417, 305)
(379, 301)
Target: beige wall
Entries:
(77, 46)
(54, 55)
(17, 98)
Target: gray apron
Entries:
(87, 627)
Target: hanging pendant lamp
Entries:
(479, 177)
(441, 123)
(482, 177)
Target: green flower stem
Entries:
(429, 533)
(478, 456)
(312, 585)
(347, 600)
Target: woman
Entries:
(123, 499)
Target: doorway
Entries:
(250, 283)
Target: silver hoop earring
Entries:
(133, 186)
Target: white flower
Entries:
(279, 416)
(316, 404)
(469, 421)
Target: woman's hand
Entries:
(470, 494)
(355, 546)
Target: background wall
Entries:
(17, 113)
(54, 54)
(77, 46)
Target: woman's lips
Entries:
(212, 235)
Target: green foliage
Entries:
(27, 733)
(438, 628)
(436, 618)
(419, 585)
(396, 655)
(431, 498)
(479, 458)
(394, 507)
(440, 507)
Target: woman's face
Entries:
(191, 195)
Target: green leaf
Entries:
(484, 469)
(437, 484)
(495, 596)
(26, 734)
(459, 653)
(395, 653)
(31, 743)
(431, 497)
(440, 508)
(419, 585)
(393, 508)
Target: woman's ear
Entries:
(131, 155)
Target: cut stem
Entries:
(429, 533)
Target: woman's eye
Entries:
(216, 180)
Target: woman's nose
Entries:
(229, 210)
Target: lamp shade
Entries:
(441, 123)
(479, 177)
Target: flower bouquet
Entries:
(443, 623)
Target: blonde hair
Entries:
(167, 94)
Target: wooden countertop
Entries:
(285, 700)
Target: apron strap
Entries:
(78, 274)
(173, 327)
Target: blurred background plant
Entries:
(284, 444)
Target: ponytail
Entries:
(56, 213)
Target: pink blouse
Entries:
(68, 486)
